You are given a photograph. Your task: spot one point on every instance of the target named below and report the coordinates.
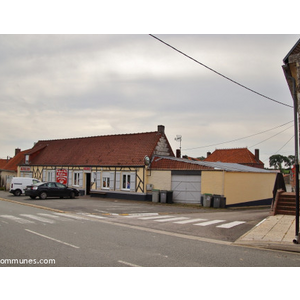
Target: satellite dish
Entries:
(146, 160)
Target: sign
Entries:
(62, 176)
(25, 169)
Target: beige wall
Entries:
(238, 187)
(161, 180)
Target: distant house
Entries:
(237, 155)
(9, 169)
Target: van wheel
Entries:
(43, 195)
(17, 193)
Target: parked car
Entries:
(18, 184)
(50, 189)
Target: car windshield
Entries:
(60, 185)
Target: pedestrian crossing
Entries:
(52, 218)
(187, 220)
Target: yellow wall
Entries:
(238, 187)
(161, 180)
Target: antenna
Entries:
(179, 138)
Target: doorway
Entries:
(87, 183)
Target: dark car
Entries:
(50, 189)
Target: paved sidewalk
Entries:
(275, 232)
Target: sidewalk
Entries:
(275, 232)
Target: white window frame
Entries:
(105, 183)
(51, 175)
(77, 178)
(127, 177)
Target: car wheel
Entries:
(72, 195)
(17, 193)
(43, 195)
(32, 197)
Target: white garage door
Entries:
(186, 188)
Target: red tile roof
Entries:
(165, 163)
(109, 150)
(239, 155)
(3, 162)
(13, 163)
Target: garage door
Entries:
(186, 188)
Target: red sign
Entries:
(62, 176)
(24, 169)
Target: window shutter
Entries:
(53, 175)
(118, 178)
(70, 178)
(98, 184)
(112, 180)
(80, 179)
(132, 181)
(44, 175)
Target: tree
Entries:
(277, 160)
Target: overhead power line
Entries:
(242, 138)
(218, 73)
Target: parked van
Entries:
(18, 184)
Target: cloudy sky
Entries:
(63, 86)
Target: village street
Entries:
(115, 233)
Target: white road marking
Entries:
(50, 238)
(41, 219)
(171, 219)
(141, 214)
(17, 219)
(190, 221)
(155, 217)
(70, 216)
(209, 222)
(231, 224)
(54, 217)
(128, 264)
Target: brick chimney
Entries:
(257, 154)
(208, 154)
(178, 153)
(17, 151)
(161, 129)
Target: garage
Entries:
(186, 186)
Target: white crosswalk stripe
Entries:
(171, 219)
(209, 222)
(37, 218)
(155, 217)
(190, 221)
(17, 219)
(54, 217)
(231, 224)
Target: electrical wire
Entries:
(218, 73)
(238, 139)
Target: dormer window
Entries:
(27, 159)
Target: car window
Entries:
(60, 185)
(51, 184)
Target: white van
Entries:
(18, 184)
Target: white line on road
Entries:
(16, 219)
(128, 264)
(50, 238)
(54, 217)
(41, 219)
(171, 219)
(231, 224)
(190, 221)
(140, 215)
(155, 217)
(209, 222)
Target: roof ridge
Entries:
(97, 136)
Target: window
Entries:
(105, 181)
(126, 182)
(76, 179)
(51, 175)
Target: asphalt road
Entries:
(32, 236)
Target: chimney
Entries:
(161, 129)
(257, 154)
(178, 153)
(17, 151)
(208, 154)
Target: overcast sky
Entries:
(64, 86)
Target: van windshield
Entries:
(35, 181)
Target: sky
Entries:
(79, 83)
(65, 86)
